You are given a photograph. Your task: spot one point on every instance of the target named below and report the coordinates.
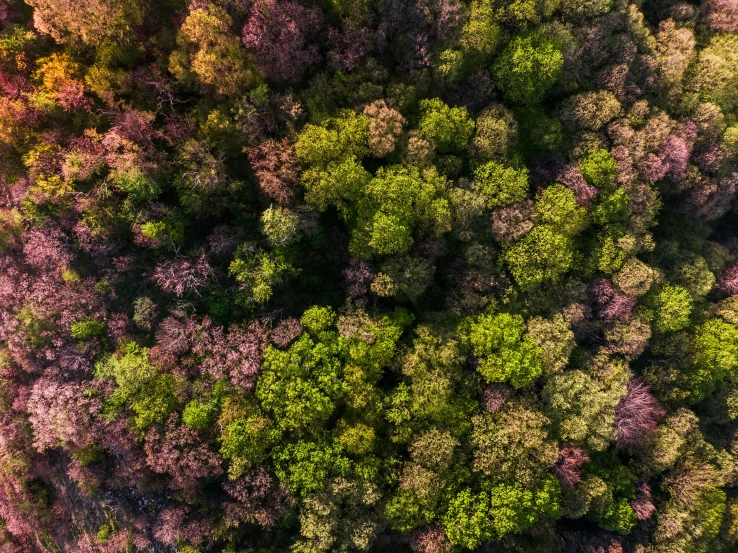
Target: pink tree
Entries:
(430, 539)
(568, 467)
(258, 498)
(180, 452)
(183, 275)
(729, 280)
(277, 169)
(236, 354)
(636, 415)
(279, 33)
(642, 504)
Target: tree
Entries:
(467, 521)
(636, 415)
(280, 34)
(502, 186)
(139, 386)
(396, 202)
(276, 168)
(496, 135)
(209, 55)
(385, 127)
(513, 446)
(528, 66)
(557, 207)
(543, 255)
(301, 386)
(449, 128)
(672, 308)
(183, 275)
(506, 354)
(91, 22)
(582, 408)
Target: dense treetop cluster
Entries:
(429, 276)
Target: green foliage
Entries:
(715, 357)
(528, 67)
(304, 466)
(334, 139)
(599, 168)
(199, 415)
(279, 226)
(542, 256)
(514, 509)
(398, 201)
(557, 206)
(467, 521)
(260, 271)
(245, 442)
(449, 128)
(301, 386)
(339, 184)
(506, 354)
(672, 306)
(139, 386)
(501, 186)
(86, 328)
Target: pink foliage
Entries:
(276, 167)
(183, 275)
(567, 468)
(612, 305)
(572, 178)
(711, 197)
(175, 334)
(721, 15)
(61, 414)
(224, 240)
(729, 280)
(174, 524)
(637, 415)
(674, 153)
(652, 168)
(286, 331)
(279, 34)
(47, 249)
(358, 276)
(494, 396)
(430, 539)
(513, 222)
(236, 354)
(259, 498)
(349, 45)
(71, 96)
(642, 504)
(180, 452)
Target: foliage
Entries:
(363, 275)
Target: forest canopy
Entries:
(424, 276)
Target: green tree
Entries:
(449, 128)
(672, 306)
(398, 201)
(557, 207)
(543, 255)
(502, 186)
(506, 353)
(467, 521)
(528, 67)
(598, 168)
(301, 386)
(139, 386)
